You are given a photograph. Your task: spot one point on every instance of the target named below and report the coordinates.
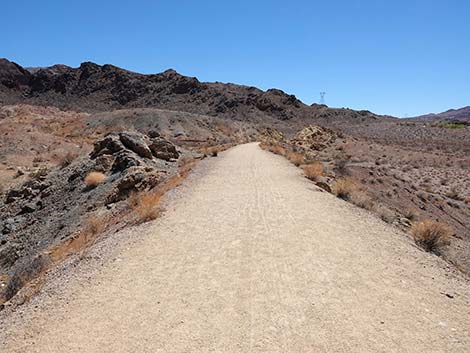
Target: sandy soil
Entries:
(251, 257)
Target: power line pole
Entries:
(322, 97)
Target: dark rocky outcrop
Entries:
(53, 205)
(95, 88)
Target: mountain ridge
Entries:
(462, 114)
(94, 88)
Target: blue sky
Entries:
(392, 57)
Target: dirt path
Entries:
(252, 258)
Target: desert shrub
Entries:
(314, 171)
(133, 199)
(410, 214)
(67, 159)
(341, 166)
(453, 194)
(93, 179)
(361, 199)
(345, 187)
(145, 206)
(384, 213)
(95, 225)
(432, 236)
(37, 160)
(278, 149)
(39, 173)
(296, 158)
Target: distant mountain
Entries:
(462, 114)
(95, 88)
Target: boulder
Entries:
(153, 133)
(314, 138)
(134, 179)
(135, 143)
(109, 145)
(104, 162)
(125, 160)
(20, 193)
(163, 149)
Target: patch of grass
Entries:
(361, 199)
(410, 214)
(432, 236)
(278, 149)
(145, 206)
(93, 179)
(314, 171)
(94, 226)
(296, 158)
(345, 187)
(448, 125)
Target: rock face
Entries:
(314, 138)
(54, 205)
(271, 135)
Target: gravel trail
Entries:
(251, 257)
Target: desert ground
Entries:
(250, 256)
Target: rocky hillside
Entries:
(57, 204)
(462, 114)
(95, 88)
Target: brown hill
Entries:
(95, 88)
(462, 114)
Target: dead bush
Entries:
(39, 173)
(67, 159)
(384, 213)
(278, 149)
(93, 179)
(345, 187)
(296, 158)
(341, 166)
(453, 194)
(432, 236)
(94, 226)
(314, 171)
(145, 206)
(264, 146)
(362, 200)
(410, 214)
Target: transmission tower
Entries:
(322, 97)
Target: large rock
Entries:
(109, 145)
(134, 179)
(271, 135)
(136, 143)
(314, 138)
(125, 160)
(163, 149)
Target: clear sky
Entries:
(398, 57)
